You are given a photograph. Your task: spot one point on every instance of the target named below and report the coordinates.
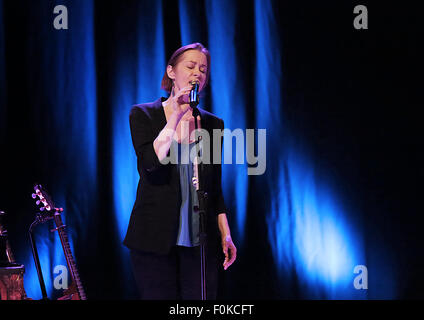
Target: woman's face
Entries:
(192, 66)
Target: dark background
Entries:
(350, 95)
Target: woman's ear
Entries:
(170, 72)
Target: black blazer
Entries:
(154, 220)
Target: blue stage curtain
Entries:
(65, 97)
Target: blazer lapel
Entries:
(158, 116)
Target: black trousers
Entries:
(174, 276)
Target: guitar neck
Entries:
(68, 255)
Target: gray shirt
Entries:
(188, 230)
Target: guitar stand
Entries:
(39, 219)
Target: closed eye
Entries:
(202, 70)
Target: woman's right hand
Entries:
(176, 106)
(179, 103)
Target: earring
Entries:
(172, 88)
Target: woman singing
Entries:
(163, 232)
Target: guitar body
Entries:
(71, 293)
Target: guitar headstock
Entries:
(44, 201)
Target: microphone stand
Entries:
(202, 197)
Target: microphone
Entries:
(194, 94)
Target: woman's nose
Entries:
(197, 72)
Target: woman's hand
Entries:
(230, 251)
(228, 247)
(179, 102)
(176, 106)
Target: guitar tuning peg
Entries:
(37, 202)
(42, 209)
(34, 196)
